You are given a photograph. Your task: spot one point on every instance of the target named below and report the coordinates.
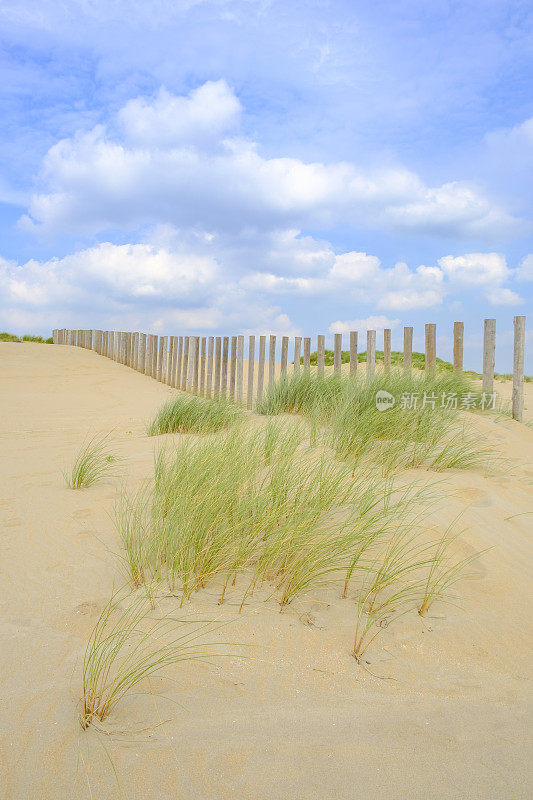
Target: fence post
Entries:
(202, 365)
(284, 355)
(337, 353)
(489, 347)
(407, 349)
(307, 354)
(431, 348)
(240, 365)
(519, 324)
(224, 370)
(458, 333)
(320, 353)
(177, 368)
(142, 351)
(353, 353)
(272, 360)
(370, 354)
(162, 359)
(387, 349)
(297, 352)
(185, 363)
(232, 367)
(171, 359)
(156, 357)
(209, 377)
(251, 360)
(218, 365)
(195, 363)
(261, 367)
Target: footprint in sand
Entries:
(82, 513)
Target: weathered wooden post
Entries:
(185, 363)
(148, 355)
(142, 351)
(251, 364)
(320, 354)
(458, 333)
(209, 371)
(353, 353)
(195, 363)
(387, 351)
(224, 367)
(162, 359)
(179, 361)
(261, 367)
(431, 348)
(171, 360)
(202, 365)
(489, 348)
(307, 354)
(370, 354)
(407, 349)
(155, 355)
(337, 353)
(284, 355)
(240, 366)
(233, 368)
(272, 360)
(519, 325)
(297, 353)
(218, 365)
(209, 377)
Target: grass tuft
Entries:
(93, 463)
(129, 645)
(192, 414)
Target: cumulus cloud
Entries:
(372, 323)
(167, 159)
(477, 269)
(169, 121)
(504, 297)
(525, 269)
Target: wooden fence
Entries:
(214, 365)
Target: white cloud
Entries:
(504, 297)
(372, 323)
(165, 160)
(525, 269)
(476, 269)
(169, 121)
(403, 300)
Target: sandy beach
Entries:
(443, 709)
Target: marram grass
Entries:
(129, 644)
(192, 414)
(251, 508)
(342, 413)
(94, 462)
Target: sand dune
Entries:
(440, 712)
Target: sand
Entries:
(441, 711)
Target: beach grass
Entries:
(420, 429)
(192, 414)
(130, 644)
(94, 462)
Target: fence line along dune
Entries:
(211, 366)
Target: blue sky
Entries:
(294, 167)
